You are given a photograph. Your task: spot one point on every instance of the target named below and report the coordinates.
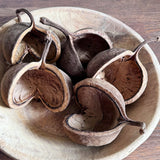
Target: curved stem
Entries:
(135, 123)
(18, 11)
(46, 50)
(46, 21)
(138, 124)
(141, 45)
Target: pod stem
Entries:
(18, 11)
(46, 21)
(141, 45)
(46, 50)
(142, 125)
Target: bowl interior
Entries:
(34, 133)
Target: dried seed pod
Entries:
(22, 38)
(25, 81)
(127, 74)
(79, 48)
(103, 114)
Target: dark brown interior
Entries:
(34, 43)
(126, 76)
(39, 83)
(88, 45)
(100, 112)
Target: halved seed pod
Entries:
(103, 114)
(25, 81)
(88, 42)
(127, 74)
(79, 48)
(22, 38)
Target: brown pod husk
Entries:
(123, 69)
(23, 39)
(79, 48)
(103, 114)
(25, 81)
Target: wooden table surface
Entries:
(141, 15)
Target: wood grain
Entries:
(143, 16)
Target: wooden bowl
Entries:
(34, 133)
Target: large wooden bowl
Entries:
(34, 133)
